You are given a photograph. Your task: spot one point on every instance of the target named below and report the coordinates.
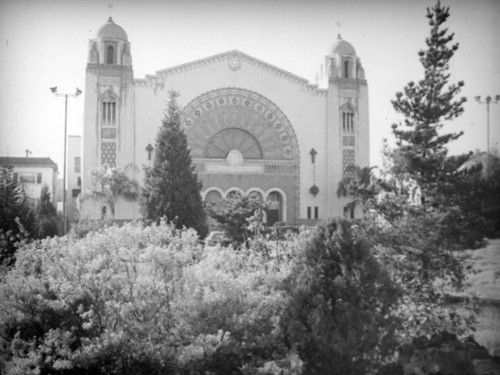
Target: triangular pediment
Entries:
(234, 59)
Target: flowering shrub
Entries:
(151, 300)
(140, 300)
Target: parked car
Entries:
(217, 237)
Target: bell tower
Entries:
(109, 101)
(347, 119)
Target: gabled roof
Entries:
(228, 56)
(28, 162)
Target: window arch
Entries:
(347, 121)
(229, 139)
(276, 206)
(233, 192)
(109, 111)
(213, 196)
(257, 193)
(110, 55)
(346, 68)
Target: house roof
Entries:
(28, 162)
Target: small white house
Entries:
(33, 174)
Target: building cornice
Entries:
(160, 76)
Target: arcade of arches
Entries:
(241, 141)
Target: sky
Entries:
(44, 43)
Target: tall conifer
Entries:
(172, 188)
(46, 215)
(17, 219)
(421, 148)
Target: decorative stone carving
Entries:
(108, 153)
(348, 140)
(348, 161)
(126, 56)
(255, 122)
(360, 72)
(234, 62)
(233, 139)
(93, 54)
(108, 133)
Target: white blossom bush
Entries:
(140, 299)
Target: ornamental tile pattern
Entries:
(108, 133)
(108, 153)
(221, 120)
(241, 109)
(348, 140)
(348, 161)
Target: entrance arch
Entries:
(229, 122)
(276, 206)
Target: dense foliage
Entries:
(171, 185)
(46, 215)
(151, 300)
(239, 215)
(17, 219)
(340, 314)
(416, 208)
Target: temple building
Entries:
(251, 126)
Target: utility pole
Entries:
(77, 92)
(487, 101)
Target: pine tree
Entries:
(17, 220)
(421, 148)
(46, 215)
(172, 188)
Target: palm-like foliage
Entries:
(109, 185)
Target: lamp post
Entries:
(77, 92)
(487, 101)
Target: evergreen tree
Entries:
(46, 215)
(422, 149)
(16, 215)
(172, 188)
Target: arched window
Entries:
(109, 112)
(346, 68)
(110, 55)
(274, 207)
(348, 122)
(227, 140)
(234, 193)
(213, 196)
(254, 194)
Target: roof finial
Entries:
(110, 7)
(338, 30)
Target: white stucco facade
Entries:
(32, 174)
(251, 126)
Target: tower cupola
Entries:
(111, 30)
(342, 47)
(110, 47)
(342, 62)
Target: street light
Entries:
(487, 101)
(77, 92)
